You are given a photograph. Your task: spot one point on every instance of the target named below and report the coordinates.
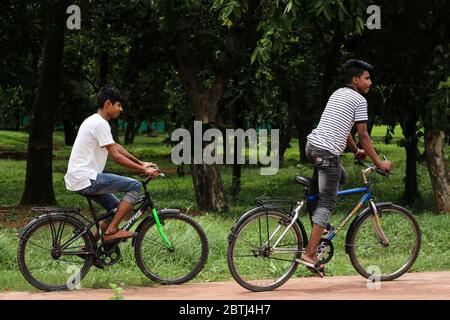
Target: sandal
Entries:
(317, 267)
(120, 235)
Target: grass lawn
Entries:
(434, 226)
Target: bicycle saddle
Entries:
(303, 181)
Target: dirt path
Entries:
(411, 286)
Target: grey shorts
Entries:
(329, 176)
(103, 188)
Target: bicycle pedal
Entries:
(98, 264)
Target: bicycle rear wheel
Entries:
(253, 261)
(177, 265)
(373, 259)
(43, 262)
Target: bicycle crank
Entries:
(325, 250)
(109, 254)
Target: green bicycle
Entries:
(57, 249)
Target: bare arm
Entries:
(116, 151)
(117, 156)
(351, 144)
(366, 143)
(126, 154)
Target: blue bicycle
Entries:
(266, 243)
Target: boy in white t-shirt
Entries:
(88, 158)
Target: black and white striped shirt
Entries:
(344, 108)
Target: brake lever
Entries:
(161, 174)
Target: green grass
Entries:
(217, 226)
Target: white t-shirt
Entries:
(344, 108)
(89, 155)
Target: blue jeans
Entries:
(103, 188)
(329, 176)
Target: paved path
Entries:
(411, 286)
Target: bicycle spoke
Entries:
(34, 244)
(60, 232)
(391, 260)
(40, 258)
(177, 264)
(267, 267)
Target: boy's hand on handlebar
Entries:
(149, 164)
(151, 172)
(385, 165)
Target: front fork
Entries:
(161, 230)
(377, 225)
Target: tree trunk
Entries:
(69, 133)
(114, 124)
(304, 124)
(303, 132)
(409, 131)
(104, 68)
(130, 131)
(39, 179)
(286, 133)
(208, 188)
(237, 168)
(438, 169)
(333, 53)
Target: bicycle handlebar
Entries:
(373, 167)
(149, 178)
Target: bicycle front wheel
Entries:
(178, 264)
(52, 255)
(254, 260)
(385, 261)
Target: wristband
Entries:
(357, 152)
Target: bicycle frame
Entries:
(367, 197)
(145, 203)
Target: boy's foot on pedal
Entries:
(119, 234)
(313, 266)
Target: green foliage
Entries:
(117, 292)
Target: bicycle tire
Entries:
(243, 272)
(29, 255)
(190, 249)
(366, 262)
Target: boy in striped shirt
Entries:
(326, 144)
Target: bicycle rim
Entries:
(45, 269)
(253, 261)
(184, 261)
(374, 260)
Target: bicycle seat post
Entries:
(91, 208)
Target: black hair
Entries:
(109, 93)
(354, 68)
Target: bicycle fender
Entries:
(150, 218)
(35, 220)
(239, 220)
(366, 211)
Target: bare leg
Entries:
(111, 232)
(103, 227)
(310, 254)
